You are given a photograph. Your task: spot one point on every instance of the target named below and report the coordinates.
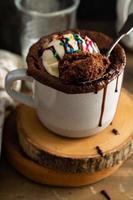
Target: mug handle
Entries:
(19, 74)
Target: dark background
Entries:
(89, 11)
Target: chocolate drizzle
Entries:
(54, 52)
(64, 45)
(116, 87)
(68, 48)
(103, 105)
(67, 45)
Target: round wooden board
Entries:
(91, 154)
(41, 174)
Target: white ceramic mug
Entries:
(71, 115)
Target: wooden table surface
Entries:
(119, 186)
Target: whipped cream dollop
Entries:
(65, 44)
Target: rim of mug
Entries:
(73, 7)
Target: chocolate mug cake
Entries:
(76, 87)
(113, 65)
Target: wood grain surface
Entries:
(42, 174)
(90, 154)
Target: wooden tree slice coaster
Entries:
(91, 154)
(41, 174)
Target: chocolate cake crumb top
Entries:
(80, 67)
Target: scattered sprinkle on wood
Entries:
(99, 151)
(115, 131)
(105, 194)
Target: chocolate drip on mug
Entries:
(96, 90)
(116, 87)
(103, 106)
